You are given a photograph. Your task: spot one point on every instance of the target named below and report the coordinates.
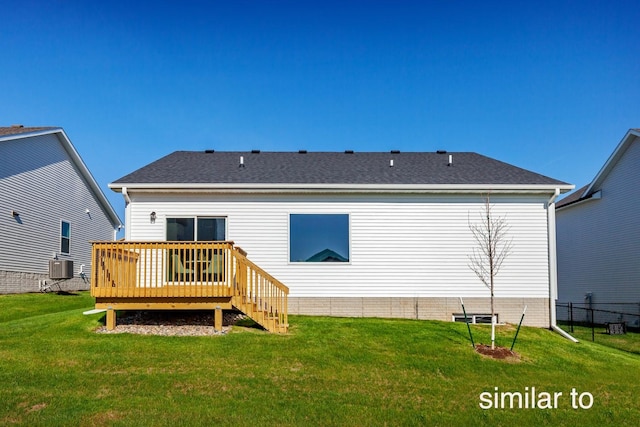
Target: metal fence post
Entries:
(571, 316)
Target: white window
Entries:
(474, 318)
(65, 237)
(319, 238)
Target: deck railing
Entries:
(131, 270)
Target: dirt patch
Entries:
(38, 407)
(497, 353)
(105, 418)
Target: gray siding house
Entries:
(359, 234)
(50, 208)
(598, 238)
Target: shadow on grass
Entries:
(67, 293)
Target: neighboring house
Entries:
(359, 234)
(598, 237)
(50, 208)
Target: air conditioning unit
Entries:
(60, 269)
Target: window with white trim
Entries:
(65, 237)
(319, 238)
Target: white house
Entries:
(598, 237)
(359, 234)
(50, 208)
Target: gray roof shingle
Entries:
(19, 129)
(572, 198)
(185, 167)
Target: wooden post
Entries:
(217, 319)
(111, 319)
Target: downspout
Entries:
(127, 202)
(127, 199)
(553, 265)
(116, 231)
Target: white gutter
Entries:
(553, 265)
(595, 196)
(342, 188)
(125, 194)
(127, 211)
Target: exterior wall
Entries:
(412, 246)
(40, 182)
(598, 240)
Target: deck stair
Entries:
(129, 275)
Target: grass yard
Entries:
(54, 370)
(628, 342)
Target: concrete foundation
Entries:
(17, 282)
(509, 310)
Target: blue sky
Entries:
(548, 86)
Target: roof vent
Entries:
(302, 151)
(391, 163)
(441, 151)
(348, 151)
(395, 151)
(209, 151)
(450, 160)
(17, 126)
(241, 162)
(255, 151)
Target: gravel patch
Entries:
(172, 323)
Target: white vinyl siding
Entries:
(402, 246)
(599, 240)
(40, 182)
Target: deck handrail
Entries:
(258, 294)
(193, 269)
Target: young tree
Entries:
(493, 246)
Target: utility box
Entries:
(60, 269)
(617, 328)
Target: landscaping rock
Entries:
(172, 323)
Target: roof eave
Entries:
(343, 188)
(611, 161)
(22, 135)
(592, 197)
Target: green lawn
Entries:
(54, 370)
(628, 342)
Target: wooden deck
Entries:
(185, 275)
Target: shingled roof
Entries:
(19, 129)
(572, 198)
(386, 168)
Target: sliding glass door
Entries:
(191, 264)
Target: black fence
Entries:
(611, 318)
